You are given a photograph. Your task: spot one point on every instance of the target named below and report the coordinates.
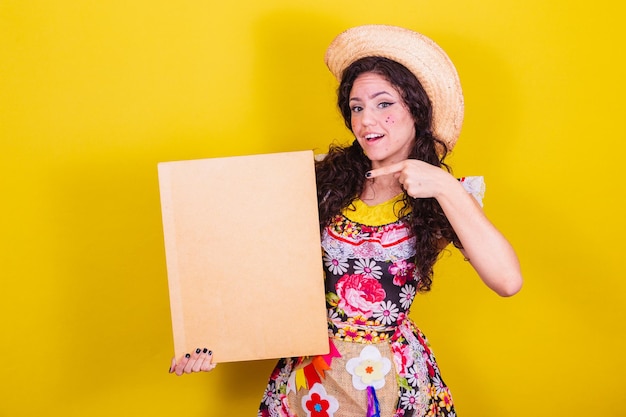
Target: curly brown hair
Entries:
(341, 174)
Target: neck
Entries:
(380, 189)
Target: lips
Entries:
(373, 136)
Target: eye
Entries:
(385, 104)
(356, 109)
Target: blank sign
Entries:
(243, 256)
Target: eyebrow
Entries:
(372, 96)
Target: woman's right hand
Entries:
(198, 361)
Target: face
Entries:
(380, 120)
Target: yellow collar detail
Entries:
(378, 215)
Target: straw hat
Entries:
(423, 57)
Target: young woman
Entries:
(388, 206)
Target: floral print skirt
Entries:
(398, 376)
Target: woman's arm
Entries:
(488, 251)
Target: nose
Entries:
(367, 117)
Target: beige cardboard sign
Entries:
(243, 256)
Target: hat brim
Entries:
(420, 55)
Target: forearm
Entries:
(488, 251)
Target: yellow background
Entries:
(94, 93)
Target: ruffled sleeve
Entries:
(475, 186)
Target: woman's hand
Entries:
(198, 361)
(418, 178)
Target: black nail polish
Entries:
(198, 350)
(188, 355)
(205, 350)
(368, 174)
(210, 352)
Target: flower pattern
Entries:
(401, 271)
(387, 312)
(402, 357)
(336, 266)
(407, 294)
(368, 268)
(409, 400)
(318, 403)
(359, 294)
(369, 369)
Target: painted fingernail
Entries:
(188, 355)
(198, 350)
(368, 174)
(205, 350)
(210, 352)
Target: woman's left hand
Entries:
(418, 178)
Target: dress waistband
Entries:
(358, 332)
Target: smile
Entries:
(373, 136)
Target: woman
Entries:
(388, 207)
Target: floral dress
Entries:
(380, 363)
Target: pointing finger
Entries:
(390, 169)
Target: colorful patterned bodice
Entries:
(371, 279)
